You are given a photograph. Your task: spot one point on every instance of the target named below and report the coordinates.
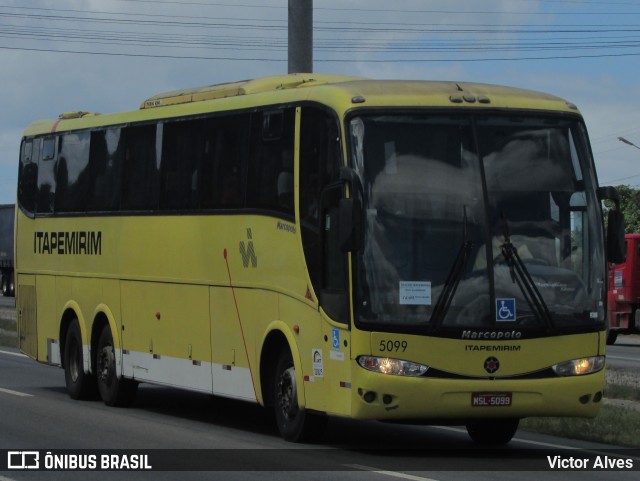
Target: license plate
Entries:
(491, 399)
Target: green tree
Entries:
(630, 205)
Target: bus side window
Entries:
(182, 151)
(271, 161)
(28, 175)
(224, 163)
(105, 166)
(72, 173)
(140, 170)
(47, 176)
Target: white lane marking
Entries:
(621, 358)
(394, 474)
(19, 354)
(15, 393)
(2, 478)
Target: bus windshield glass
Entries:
(483, 221)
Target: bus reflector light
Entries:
(579, 367)
(397, 367)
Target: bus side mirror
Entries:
(350, 212)
(616, 252)
(350, 225)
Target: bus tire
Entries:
(612, 335)
(295, 424)
(80, 385)
(114, 390)
(492, 431)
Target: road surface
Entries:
(241, 439)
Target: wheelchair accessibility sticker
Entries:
(505, 310)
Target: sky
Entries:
(109, 55)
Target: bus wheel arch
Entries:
(69, 317)
(80, 383)
(275, 343)
(281, 388)
(114, 389)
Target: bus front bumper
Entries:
(388, 397)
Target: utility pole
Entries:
(300, 36)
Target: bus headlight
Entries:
(579, 367)
(386, 365)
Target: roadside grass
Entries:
(614, 425)
(617, 424)
(621, 391)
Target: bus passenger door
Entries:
(319, 195)
(334, 302)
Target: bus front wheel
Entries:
(295, 424)
(114, 390)
(80, 385)
(492, 431)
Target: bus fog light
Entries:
(386, 365)
(579, 367)
(369, 396)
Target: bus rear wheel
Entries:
(295, 424)
(114, 390)
(80, 385)
(492, 431)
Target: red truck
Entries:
(624, 292)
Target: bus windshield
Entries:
(479, 221)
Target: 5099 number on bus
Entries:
(495, 399)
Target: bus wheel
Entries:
(294, 424)
(492, 431)
(80, 385)
(114, 391)
(612, 335)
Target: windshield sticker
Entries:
(415, 293)
(505, 310)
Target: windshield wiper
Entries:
(453, 278)
(520, 275)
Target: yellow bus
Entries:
(406, 251)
